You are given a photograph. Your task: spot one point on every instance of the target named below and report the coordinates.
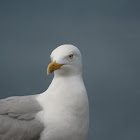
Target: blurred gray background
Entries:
(108, 35)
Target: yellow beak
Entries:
(53, 66)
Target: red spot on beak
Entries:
(51, 71)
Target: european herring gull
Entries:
(59, 113)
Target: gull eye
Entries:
(71, 56)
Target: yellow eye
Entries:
(71, 56)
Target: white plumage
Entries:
(65, 104)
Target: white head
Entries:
(66, 60)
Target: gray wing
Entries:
(17, 118)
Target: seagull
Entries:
(59, 113)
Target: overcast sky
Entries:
(108, 35)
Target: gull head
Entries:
(66, 60)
